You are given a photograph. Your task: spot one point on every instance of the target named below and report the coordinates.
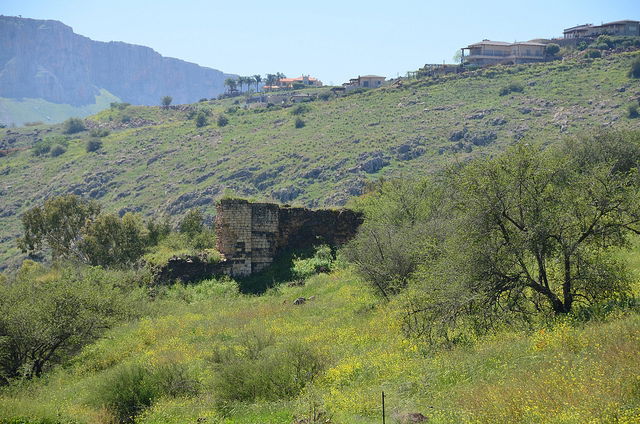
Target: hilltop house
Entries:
(305, 80)
(489, 52)
(364, 81)
(624, 28)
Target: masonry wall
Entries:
(250, 235)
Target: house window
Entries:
(365, 83)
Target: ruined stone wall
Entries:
(250, 235)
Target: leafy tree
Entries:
(111, 241)
(58, 225)
(166, 101)
(534, 228)
(73, 125)
(551, 49)
(192, 223)
(299, 123)
(257, 79)
(400, 231)
(43, 321)
(632, 111)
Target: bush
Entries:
(514, 87)
(551, 49)
(632, 111)
(166, 101)
(57, 150)
(93, 145)
(46, 320)
(634, 72)
(592, 54)
(222, 120)
(41, 148)
(300, 110)
(33, 124)
(299, 123)
(119, 106)
(99, 132)
(264, 371)
(73, 125)
(125, 119)
(130, 389)
(201, 119)
(321, 261)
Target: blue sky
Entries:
(332, 40)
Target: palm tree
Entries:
(271, 79)
(279, 76)
(231, 83)
(258, 79)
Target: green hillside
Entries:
(19, 112)
(157, 161)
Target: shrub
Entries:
(265, 371)
(514, 87)
(57, 150)
(551, 49)
(300, 110)
(41, 148)
(201, 119)
(99, 132)
(166, 101)
(321, 261)
(130, 389)
(192, 223)
(299, 123)
(73, 125)
(325, 95)
(32, 124)
(592, 54)
(119, 106)
(93, 145)
(634, 72)
(632, 111)
(125, 118)
(222, 120)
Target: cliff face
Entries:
(46, 59)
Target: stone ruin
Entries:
(250, 235)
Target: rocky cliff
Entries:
(46, 59)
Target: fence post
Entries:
(383, 414)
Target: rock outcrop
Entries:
(46, 59)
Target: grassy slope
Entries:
(18, 112)
(562, 374)
(167, 164)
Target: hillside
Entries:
(46, 60)
(157, 161)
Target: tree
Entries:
(231, 84)
(536, 227)
(271, 80)
(551, 49)
(222, 120)
(192, 223)
(257, 79)
(42, 321)
(400, 232)
(113, 241)
(166, 101)
(93, 145)
(58, 224)
(73, 125)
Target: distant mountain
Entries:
(45, 59)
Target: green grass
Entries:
(13, 111)
(564, 373)
(160, 155)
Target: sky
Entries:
(332, 40)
